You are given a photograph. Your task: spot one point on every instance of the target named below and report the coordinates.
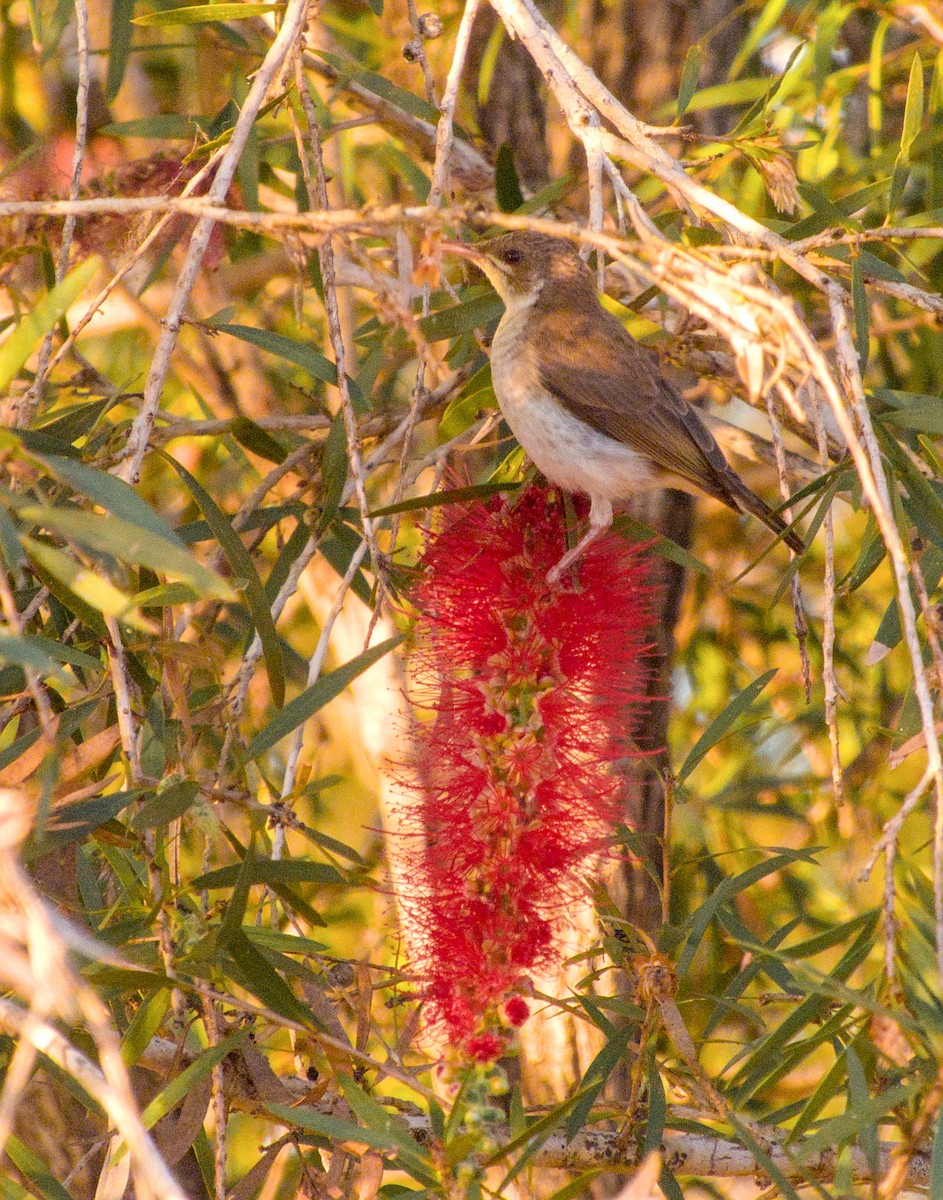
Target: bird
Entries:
(588, 403)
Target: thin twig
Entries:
(828, 622)
(315, 666)
(335, 334)
(419, 49)
(48, 1041)
(139, 436)
(24, 412)
(127, 723)
(211, 1019)
(798, 611)
(445, 130)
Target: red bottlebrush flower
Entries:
(532, 691)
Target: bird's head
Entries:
(521, 263)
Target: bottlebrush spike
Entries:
(530, 695)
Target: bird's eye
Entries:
(512, 255)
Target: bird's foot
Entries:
(555, 574)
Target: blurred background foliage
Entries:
(205, 772)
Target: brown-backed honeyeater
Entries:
(590, 405)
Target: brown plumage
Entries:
(588, 403)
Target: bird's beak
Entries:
(468, 252)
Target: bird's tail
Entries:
(739, 496)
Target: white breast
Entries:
(569, 452)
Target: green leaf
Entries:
(167, 126)
(144, 1026)
(876, 84)
(253, 970)
(913, 109)
(828, 1087)
(44, 317)
(202, 14)
(740, 91)
(664, 547)
(299, 353)
(721, 723)
(25, 653)
(858, 1097)
(851, 1123)
(859, 302)
(657, 1108)
(531, 1140)
(235, 910)
(166, 805)
(75, 421)
(334, 467)
(463, 408)
(726, 890)
(471, 314)
(131, 544)
(42, 653)
(925, 414)
(689, 77)
(35, 1170)
(923, 502)
(380, 86)
(119, 45)
(181, 1085)
(270, 872)
(377, 1118)
(381, 1136)
(165, 596)
(594, 1080)
(579, 1187)
(507, 186)
(72, 823)
(761, 28)
(257, 440)
(243, 566)
(111, 493)
(478, 491)
(297, 711)
(84, 592)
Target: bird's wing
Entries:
(604, 377)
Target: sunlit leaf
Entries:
(21, 343)
(201, 14)
(297, 711)
(722, 722)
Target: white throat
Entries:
(519, 302)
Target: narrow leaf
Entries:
(32, 329)
(315, 697)
(689, 77)
(176, 1091)
(913, 109)
(131, 544)
(725, 892)
(252, 970)
(461, 318)
(84, 592)
(201, 14)
(119, 45)
(721, 723)
(507, 186)
(243, 566)
(298, 353)
(112, 493)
